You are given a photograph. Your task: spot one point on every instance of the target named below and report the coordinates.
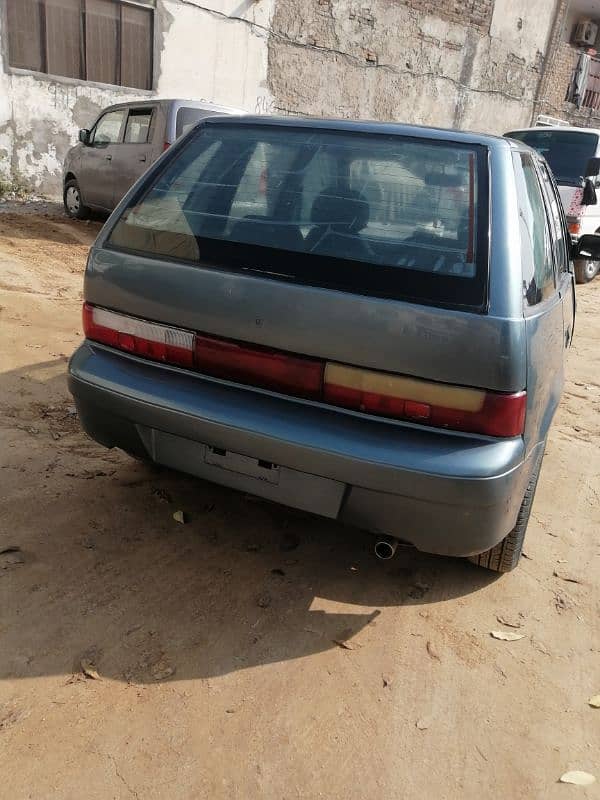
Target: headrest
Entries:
(344, 210)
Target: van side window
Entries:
(536, 251)
(560, 237)
(108, 128)
(138, 126)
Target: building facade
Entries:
(478, 64)
(571, 86)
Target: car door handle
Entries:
(108, 158)
(142, 158)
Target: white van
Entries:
(573, 155)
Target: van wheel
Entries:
(585, 271)
(505, 556)
(72, 201)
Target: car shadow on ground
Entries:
(98, 570)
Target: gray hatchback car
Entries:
(120, 146)
(366, 321)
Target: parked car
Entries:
(120, 146)
(366, 321)
(574, 157)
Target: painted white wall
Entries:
(209, 57)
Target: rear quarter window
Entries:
(186, 118)
(368, 213)
(536, 250)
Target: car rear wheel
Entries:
(505, 556)
(72, 201)
(585, 271)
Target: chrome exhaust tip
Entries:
(386, 548)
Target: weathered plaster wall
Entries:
(199, 53)
(410, 60)
(216, 50)
(465, 63)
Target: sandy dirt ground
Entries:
(214, 649)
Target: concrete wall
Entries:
(411, 60)
(200, 52)
(473, 64)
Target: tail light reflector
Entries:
(257, 366)
(412, 399)
(145, 339)
(438, 404)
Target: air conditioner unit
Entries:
(585, 33)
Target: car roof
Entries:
(370, 126)
(555, 128)
(167, 101)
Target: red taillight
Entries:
(501, 415)
(440, 405)
(268, 369)
(144, 339)
(429, 403)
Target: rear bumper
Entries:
(445, 493)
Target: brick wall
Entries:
(474, 13)
(558, 77)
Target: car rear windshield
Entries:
(566, 151)
(387, 215)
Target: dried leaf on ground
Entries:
(89, 670)
(578, 778)
(510, 622)
(566, 576)
(432, 650)
(344, 645)
(595, 701)
(387, 681)
(423, 724)
(507, 636)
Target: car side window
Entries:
(561, 239)
(138, 126)
(108, 128)
(536, 251)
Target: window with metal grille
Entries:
(106, 41)
(584, 88)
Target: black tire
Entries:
(72, 201)
(585, 271)
(505, 556)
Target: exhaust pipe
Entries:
(386, 548)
